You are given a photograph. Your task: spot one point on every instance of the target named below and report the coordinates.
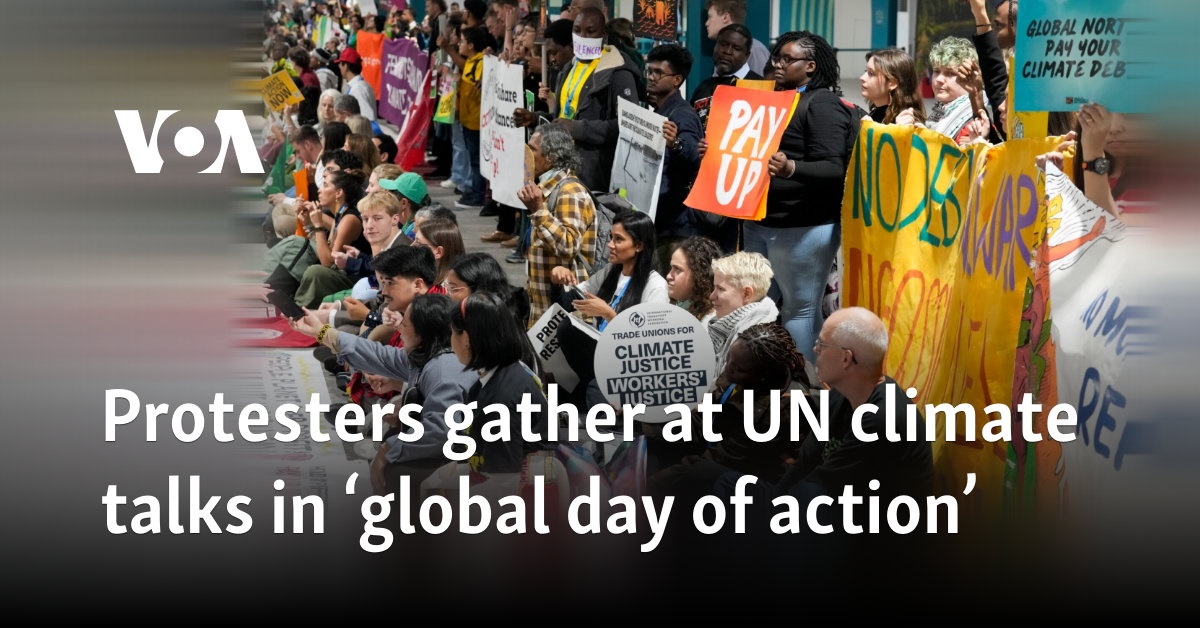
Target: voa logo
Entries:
(189, 141)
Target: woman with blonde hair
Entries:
(739, 298)
(889, 85)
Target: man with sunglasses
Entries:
(666, 68)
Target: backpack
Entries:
(857, 114)
(607, 206)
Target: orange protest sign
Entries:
(370, 48)
(744, 129)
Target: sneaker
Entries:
(516, 258)
(510, 243)
(448, 184)
(468, 203)
(496, 236)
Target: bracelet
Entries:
(321, 334)
(982, 25)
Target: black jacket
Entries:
(596, 129)
(812, 195)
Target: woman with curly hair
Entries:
(690, 279)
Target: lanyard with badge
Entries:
(615, 300)
(569, 101)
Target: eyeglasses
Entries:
(452, 288)
(821, 343)
(786, 61)
(654, 75)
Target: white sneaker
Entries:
(447, 184)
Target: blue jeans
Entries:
(801, 258)
(460, 165)
(478, 185)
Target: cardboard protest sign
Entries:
(654, 354)
(744, 129)
(544, 337)
(279, 91)
(403, 73)
(638, 162)
(501, 141)
(1100, 51)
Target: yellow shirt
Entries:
(469, 95)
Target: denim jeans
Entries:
(460, 164)
(478, 185)
(800, 257)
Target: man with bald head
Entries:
(850, 351)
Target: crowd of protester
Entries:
(437, 324)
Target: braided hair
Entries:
(828, 73)
(773, 347)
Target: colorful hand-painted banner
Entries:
(324, 29)
(279, 91)
(656, 19)
(370, 48)
(1107, 321)
(638, 162)
(404, 66)
(1074, 52)
(501, 141)
(939, 242)
(744, 129)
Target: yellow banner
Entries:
(279, 91)
(939, 241)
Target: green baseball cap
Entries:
(410, 185)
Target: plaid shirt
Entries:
(558, 235)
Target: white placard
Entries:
(637, 166)
(501, 142)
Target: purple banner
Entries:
(403, 70)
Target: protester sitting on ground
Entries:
(480, 272)
(629, 278)
(889, 86)
(739, 297)
(475, 272)
(362, 146)
(346, 106)
(325, 111)
(561, 232)
(412, 193)
(332, 232)
(381, 216)
(953, 109)
(382, 171)
(387, 147)
(850, 351)
(762, 359)
(434, 210)
(359, 125)
(690, 280)
(427, 363)
(443, 238)
(488, 340)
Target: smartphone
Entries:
(576, 294)
(285, 305)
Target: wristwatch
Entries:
(677, 145)
(1098, 165)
